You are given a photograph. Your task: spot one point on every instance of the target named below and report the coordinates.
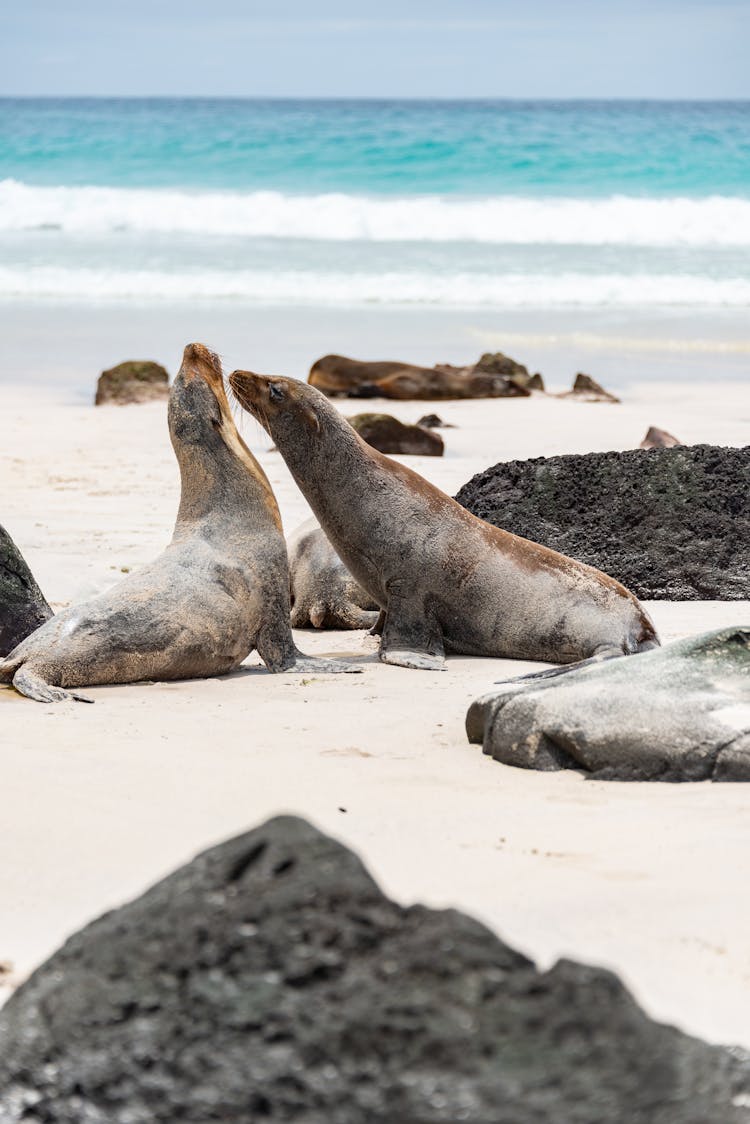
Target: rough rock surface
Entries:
(336, 375)
(23, 607)
(271, 980)
(670, 524)
(323, 592)
(131, 382)
(679, 713)
(658, 439)
(389, 435)
(586, 389)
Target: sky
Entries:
(386, 48)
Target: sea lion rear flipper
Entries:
(410, 637)
(28, 683)
(317, 665)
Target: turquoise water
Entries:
(476, 148)
(487, 204)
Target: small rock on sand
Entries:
(132, 382)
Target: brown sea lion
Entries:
(219, 590)
(445, 580)
(337, 375)
(324, 593)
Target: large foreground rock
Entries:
(271, 980)
(493, 376)
(136, 380)
(23, 607)
(679, 713)
(389, 435)
(671, 524)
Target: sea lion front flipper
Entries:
(28, 683)
(279, 653)
(410, 637)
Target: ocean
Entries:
(486, 205)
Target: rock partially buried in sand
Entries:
(324, 593)
(336, 375)
(389, 435)
(434, 421)
(586, 389)
(132, 382)
(670, 524)
(658, 439)
(23, 607)
(679, 713)
(270, 979)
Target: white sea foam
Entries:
(513, 220)
(511, 290)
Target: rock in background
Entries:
(670, 524)
(270, 979)
(132, 382)
(23, 607)
(389, 435)
(658, 439)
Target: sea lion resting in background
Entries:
(445, 580)
(324, 593)
(219, 590)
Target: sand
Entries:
(98, 802)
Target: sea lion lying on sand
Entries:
(219, 590)
(445, 580)
(324, 593)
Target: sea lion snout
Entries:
(271, 399)
(199, 360)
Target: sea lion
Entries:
(324, 593)
(219, 590)
(445, 580)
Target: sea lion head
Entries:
(286, 408)
(202, 427)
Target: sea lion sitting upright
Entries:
(324, 593)
(445, 580)
(219, 590)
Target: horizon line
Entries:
(475, 99)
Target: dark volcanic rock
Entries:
(668, 523)
(497, 363)
(23, 607)
(389, 435)
(271, 980)
(131, 382)
(680, 713)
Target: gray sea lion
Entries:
(218, 591)
(445, 580)
(324, 593)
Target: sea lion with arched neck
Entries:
(218, 591)
(445, 580)
(324, 593)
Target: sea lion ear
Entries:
(313, 419)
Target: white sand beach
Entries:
(97, 802)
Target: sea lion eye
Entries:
(275, 393)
